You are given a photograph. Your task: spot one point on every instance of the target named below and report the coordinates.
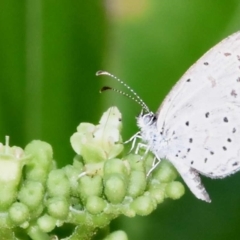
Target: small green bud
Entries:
(127, 211)
(31, 194)
(12, 160)
(157, 193)
(136, 162)
(46, 223)
(137, 184)
(115, 188)
(42, 151)
(95, 204)
(58, 207)
(38, 174)
(175, 190)
(117, 235)
(115, 166)
(41, 161)
(73, 175)
(58, 184)
(143, 205)
(90, 186)
(18, 213)
(165, 172)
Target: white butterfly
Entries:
(197, 127)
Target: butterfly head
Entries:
(146, 119)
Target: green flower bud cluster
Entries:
(36, 197)
(109, 186)
(23, 178)
(12, 160)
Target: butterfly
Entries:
(197, 126)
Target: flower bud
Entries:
(41, 161)
(90, 186)
(73, 175)
(95, 204)
(115, 166)
(18, 213)
(115, 187)
(157, 192)
(58, 184)
(31, 194)
(137, 184)
(46, 223)
(165, 172)
(12, 160)
(58, 207)
(143, 205)
(175, 190)
(136, 162)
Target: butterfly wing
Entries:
(200, 117)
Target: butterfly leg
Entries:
(133, 139)
(192, 179)
(155, 163)
(142, 146)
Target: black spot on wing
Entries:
(227, 54)
(225, 119)
(233, 93)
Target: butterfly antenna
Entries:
(105, 88)
(137, 99)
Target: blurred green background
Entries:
(49, 53)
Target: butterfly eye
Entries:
(149, 118)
